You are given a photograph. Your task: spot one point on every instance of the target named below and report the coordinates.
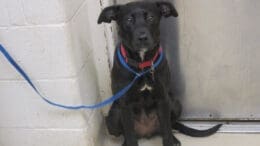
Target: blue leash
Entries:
(98, 105)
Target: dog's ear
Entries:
(109, 14)
(167, 9)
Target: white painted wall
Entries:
(218, 48)
(53, 41)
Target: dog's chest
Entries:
(146, 87)
(147, 84)
(146, 120)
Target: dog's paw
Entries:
(130, 144)
(171, 142)
(177, 144)
(124, 144)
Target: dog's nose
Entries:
(142, 37)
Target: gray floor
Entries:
(230, 134)
(219, 139)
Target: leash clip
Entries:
(152, 71)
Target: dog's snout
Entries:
(142, 39)
(142, 36)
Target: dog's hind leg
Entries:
(176, 110)
(113, 121)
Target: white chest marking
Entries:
(146, 87)
(142, 53)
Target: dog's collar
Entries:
(143, 72)
(140, 65)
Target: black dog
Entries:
(148, 108)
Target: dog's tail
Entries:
(194, 132)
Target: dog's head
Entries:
(138, 22)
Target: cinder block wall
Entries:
(54, 41)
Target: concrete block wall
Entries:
(53, 41)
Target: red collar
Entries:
(140, 65)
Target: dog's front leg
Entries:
(127, 120)
(165, 124)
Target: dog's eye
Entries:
(150, 18)
(130, 19)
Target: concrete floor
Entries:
(230, 134)
(219, 139)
